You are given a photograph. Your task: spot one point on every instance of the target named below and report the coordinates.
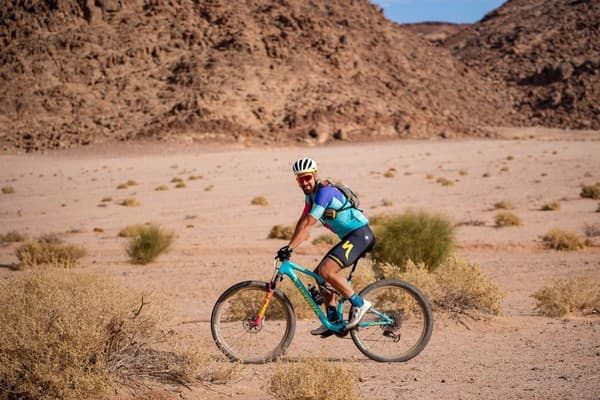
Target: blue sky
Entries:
(404, 11)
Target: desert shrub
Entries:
(209, 188)
(444, 181)
(12, 237)
(325, 238)
(390, 173)
(259, 201)
(49, 253)
(560, 297)
(106, 199)
(456, 286)
(506, 218)
(130, 202)
(558, 239)
(555, 205)
(121, 186)
(503, 205)
(419, 236)
(281, 232)
(313, 379)
(148, 244)
(591, 191)
(176, 179)
(592, 230)
(161, 188)
(82, 334)
(8, 190)
(98, 230)
(180, 185)
(131, 183)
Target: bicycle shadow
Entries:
(297, 359)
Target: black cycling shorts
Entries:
(353, 246)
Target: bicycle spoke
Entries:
(236, 332)
(409, 330)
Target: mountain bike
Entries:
(254, 322)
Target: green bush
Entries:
(418, 236)
(148, 244)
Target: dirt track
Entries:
(222, 239)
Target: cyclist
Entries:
(327, 204)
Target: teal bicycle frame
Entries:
(289, 269)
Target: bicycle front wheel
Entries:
(236, 331)
(411, 322)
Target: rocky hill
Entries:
(548, 54)
(74, 72)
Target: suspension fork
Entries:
(257, 321)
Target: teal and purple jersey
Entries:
(346, 221)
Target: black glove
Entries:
(284, 253)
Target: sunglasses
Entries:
(304, 178)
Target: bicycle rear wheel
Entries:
(234, 328)
(410, 330)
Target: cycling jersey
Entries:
(345, 222)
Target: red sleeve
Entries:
(306, 209)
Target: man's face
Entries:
(307, 183)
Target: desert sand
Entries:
(222, 239)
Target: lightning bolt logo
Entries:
(348, 247)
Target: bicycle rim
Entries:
(412, 323)
(234, 333)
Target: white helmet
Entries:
(304, 166)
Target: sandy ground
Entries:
(222, 239)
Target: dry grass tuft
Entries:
(176, 179)
(390, 173)
(456, 286)
(560, 297)
(281, 232)
(148, 243)
(161, 188)
(180, 185)
(107, 199)
(259, 201)
(503, 205)
(12, 237)
(444, 182)
(591, 191)
(555, 205)
(49, 253)
(8, 190)
(81, 335)
(121, 186)
(130, 202)
(314, 379)
(506, 218)
(558, 239)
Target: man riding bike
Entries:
(326, 203)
